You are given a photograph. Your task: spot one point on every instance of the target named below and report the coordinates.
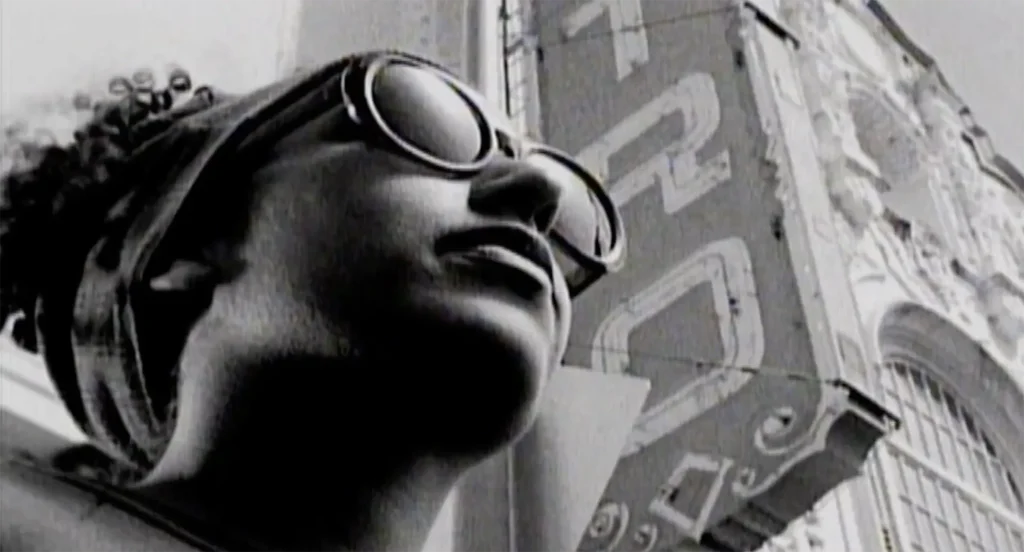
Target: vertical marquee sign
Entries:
(654, 95)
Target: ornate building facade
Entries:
(931, 224)
(734, 302)
(906, 206)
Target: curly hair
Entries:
(59, 154)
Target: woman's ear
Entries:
(179, 291)
(184, 275)
(213, 266)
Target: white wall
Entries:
(427, 27)
(60, 46)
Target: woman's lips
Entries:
(512, 256)
(516, 245)
(505, 258)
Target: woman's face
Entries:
(431, 304)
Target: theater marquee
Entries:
(659, 98)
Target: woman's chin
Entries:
(493, 359)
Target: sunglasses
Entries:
(419, 111)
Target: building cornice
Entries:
(990, 161)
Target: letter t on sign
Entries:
(629, 37)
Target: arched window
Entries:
(945, 476)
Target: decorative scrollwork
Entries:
(777, 425)
(857, 199)
(780, 432)
(608, 526)
(646, 537)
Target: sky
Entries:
(979, 46)
(61, 45)
(49, 46)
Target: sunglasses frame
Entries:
(599, 266)
(368, 75)
(337, 85)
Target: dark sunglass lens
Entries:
(424, 111)
(576, 275)
(581, 220)
(582, 225)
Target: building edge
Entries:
(990, 160)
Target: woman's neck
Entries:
(348, 507)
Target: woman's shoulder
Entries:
(40, 510)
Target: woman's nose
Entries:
(510, 188)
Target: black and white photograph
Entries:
(512, 275)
